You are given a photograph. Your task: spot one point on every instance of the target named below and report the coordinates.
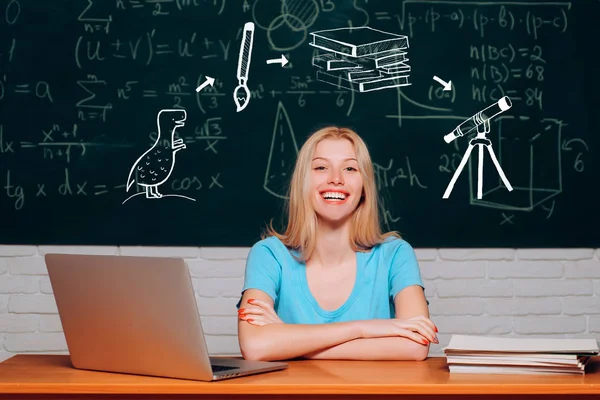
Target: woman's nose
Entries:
(335, 178)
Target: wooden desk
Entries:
(53, 377)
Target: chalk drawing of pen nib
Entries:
(241, 94)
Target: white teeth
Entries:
(333, 196)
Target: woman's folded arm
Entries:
(285, 341)
(375, 349)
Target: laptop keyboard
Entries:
(220, 368)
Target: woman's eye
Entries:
(320, 168)
(351, 169)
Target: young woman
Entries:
(333, 285)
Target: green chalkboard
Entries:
(82, 84)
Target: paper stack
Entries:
(361, 59)
(503, 355)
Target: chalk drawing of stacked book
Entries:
(361, 59)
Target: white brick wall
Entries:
(535, 292)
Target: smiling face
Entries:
(336, 183)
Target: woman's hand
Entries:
(259, 313)
(419, 329)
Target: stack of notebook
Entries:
(495, 355)
(361, 59)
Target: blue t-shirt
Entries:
(381, 273)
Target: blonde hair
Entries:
(300, 233)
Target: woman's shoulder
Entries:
(269, 241)
(394, 242)
(270, 244)
(393, 245)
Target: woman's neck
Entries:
(332, 246)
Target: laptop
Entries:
(137, 315)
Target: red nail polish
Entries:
(250, 300)
(242, 315)
(436, 329)
(241, 310)
(249, 320)
(424, 341)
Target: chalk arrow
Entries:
(281, 60)
(447, 85)
(209, 81)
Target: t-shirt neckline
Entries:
(349, 301)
